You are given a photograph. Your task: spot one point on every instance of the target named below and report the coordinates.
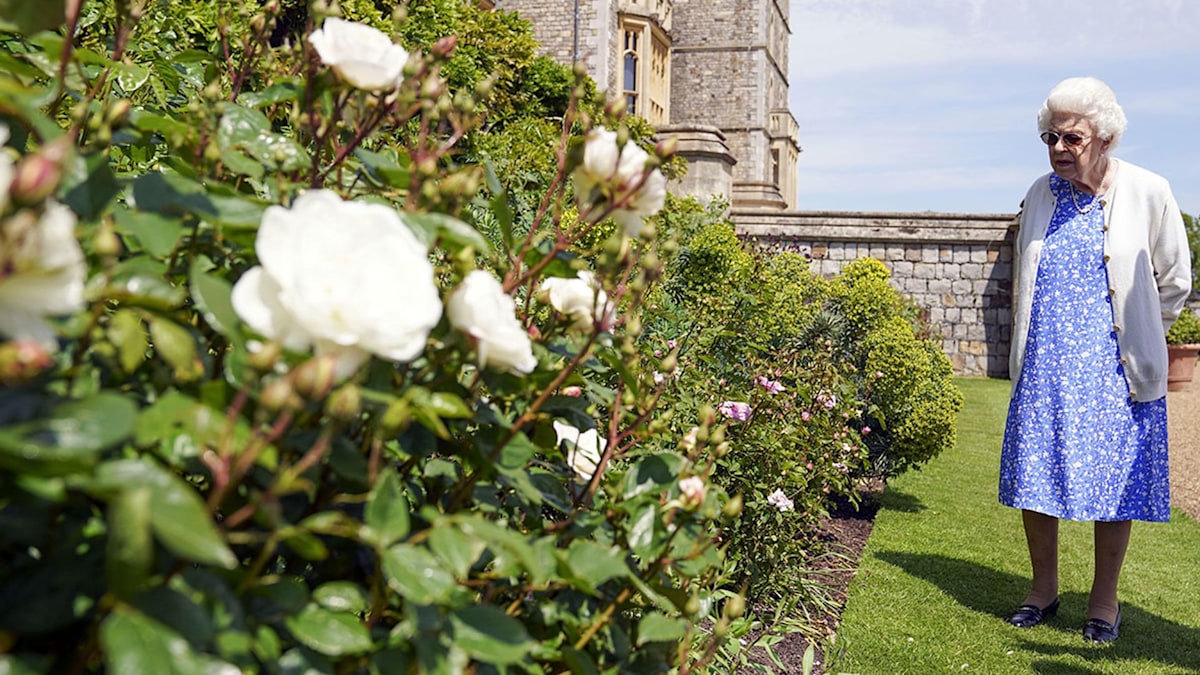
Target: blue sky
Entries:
(931, 105)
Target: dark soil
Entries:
(844, 532)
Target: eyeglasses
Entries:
(1069, 139)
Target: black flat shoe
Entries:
(1028, 616)
(1100, 631)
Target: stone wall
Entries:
(562, 27)
(956, 267)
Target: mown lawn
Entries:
(946, 563)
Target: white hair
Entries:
(1091, 99)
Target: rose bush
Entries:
(304, 414)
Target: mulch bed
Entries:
(844, 531)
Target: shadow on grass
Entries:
(895, 500)
(1144, 635)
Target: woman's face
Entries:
(1083, 163)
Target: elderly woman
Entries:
(1101, 271)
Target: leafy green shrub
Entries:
(838, 384)
(912, 401)
(709, 265)
(254, 436)
(1185, 330)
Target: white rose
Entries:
(583, 449)
(42, 270)
(361, 55)
(610, 175)
(582, 299)
(346, 277)
(480, 308)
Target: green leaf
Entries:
(658, 627)
(593, 563)
(642, 531)
(135, 643)
(214, 299)
(458, 551)
(240, 124)
(179, 517)
(489, 635)
(330, 633)
(239, 162)
(449, 406)
(90, 185)
(172, 194)
(501, 209)
(342, 596)
(652, 473)
(70, 438)
(383, 168)
(277, 152)
(416, 575)
(250, 130)
(158, 234)
(144, 120)
(387, 510)
(517, 452)
(509, 547)
(279, 92)
(130, 550)
(131, 76)
(433, 227)
(306, 546)
(128, 335)
(137, 281)
(177, 346)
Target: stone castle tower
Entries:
(712, 73)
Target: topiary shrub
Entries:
(911, 400)
(708, 266)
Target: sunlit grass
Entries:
(946, 564)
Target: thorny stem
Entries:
(72, 15)
(314, 454)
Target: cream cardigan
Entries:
(1149, 271)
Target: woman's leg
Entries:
(1041, 533)
(1112, 539)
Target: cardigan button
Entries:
(1112, 291)
(1105, 228)
(1116, 328)
(1107, 257)
(1103, 203)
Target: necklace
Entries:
(1090, 205)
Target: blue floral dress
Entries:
(1076, 446)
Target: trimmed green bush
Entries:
(1185, 330)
